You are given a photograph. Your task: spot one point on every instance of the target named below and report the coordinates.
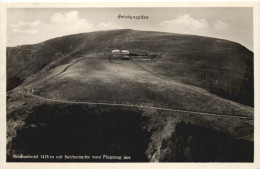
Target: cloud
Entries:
(187, 24)
(68, 23)
(220, 25)
(108, 25)
(185, 21)
(22, 24)
(27, 31)
(71, 18)
(60, 24)
(28, 28)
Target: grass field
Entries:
(219, 66)
(69, 83)
(98, 80)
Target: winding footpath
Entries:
(197, 89)
(29, 92)
(139, 106)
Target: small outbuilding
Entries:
(115, 53)
(123, 54)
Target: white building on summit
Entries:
(115, 52)
(123, 54)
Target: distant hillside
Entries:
(222, 67)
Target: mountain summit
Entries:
(219, 66)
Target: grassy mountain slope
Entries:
(124, 82)
(222, 67)
(54, 87)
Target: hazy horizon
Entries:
(30, 26)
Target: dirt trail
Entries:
(194, 88)
(197, 89)
(29, 92)
(203, 50)
(138, 106)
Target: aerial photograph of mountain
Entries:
(130, 84)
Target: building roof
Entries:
(125, 51)
(120, 52)
(115, 51)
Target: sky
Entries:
(34, 25)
